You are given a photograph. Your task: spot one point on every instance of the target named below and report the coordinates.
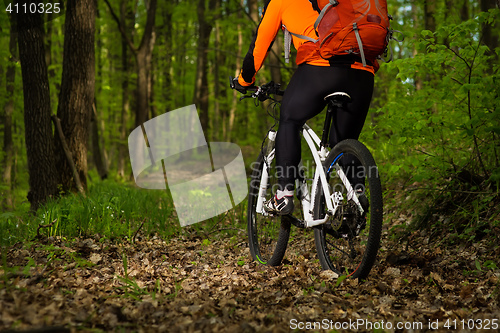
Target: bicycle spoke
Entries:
(338, 249)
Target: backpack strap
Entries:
(288, 41)
(331, 3)
(360, 43)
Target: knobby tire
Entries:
(339, 248)
(267, 236)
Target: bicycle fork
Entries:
(264, 179)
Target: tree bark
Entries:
(201, 84)
(143, 61)
(151, 86)
(38, 130)
(48, 41)
(125, 14)
(67, 153)
(8, 144)
(77, 90)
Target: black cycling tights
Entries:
(304, 99)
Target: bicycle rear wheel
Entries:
(267, 235)
(348, 243)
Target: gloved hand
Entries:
(236, 85)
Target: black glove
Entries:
(236, 85)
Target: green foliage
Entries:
(340, 279)
(451, 122)
(438, 128)
(131, 288)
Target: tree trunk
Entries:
(8, 145)
(166, 57)
(151, 87)
(218, 120)
(201, 83)
(491, 33)
(430, 15)
(77, 90)
(253, 10)
(182, 98)
(143, 62)
(125, 13)
(97, 153)
(143, 56)
(38, 129)
(417, 78)
(275, 67)
(48, 40)
(232, 112)
(274, 61)
(464, 11)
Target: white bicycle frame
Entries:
(332, 200)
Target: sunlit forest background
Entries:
(433, 127)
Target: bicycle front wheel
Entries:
(267, 235)
(348, 243)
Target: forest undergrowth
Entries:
(432, 275)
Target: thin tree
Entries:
(234, 100)
(126, 15)
(8, 144)
(205, 25)
(99, 155)
(143, 55)
(491, 35)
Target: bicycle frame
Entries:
(319, 153)
(332, 200)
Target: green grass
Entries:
(110, 209)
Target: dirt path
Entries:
(195, 285)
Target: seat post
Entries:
(326, 126)
(335, 100)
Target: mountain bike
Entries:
(342, 201)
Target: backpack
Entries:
(349, 27)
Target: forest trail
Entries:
(211, 285)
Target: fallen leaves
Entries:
(189, 285)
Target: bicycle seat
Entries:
(338, 98)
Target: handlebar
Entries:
(262, 93)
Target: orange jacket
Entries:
(298, 16)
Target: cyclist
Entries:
(314, 79)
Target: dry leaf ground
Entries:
(195, 285)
